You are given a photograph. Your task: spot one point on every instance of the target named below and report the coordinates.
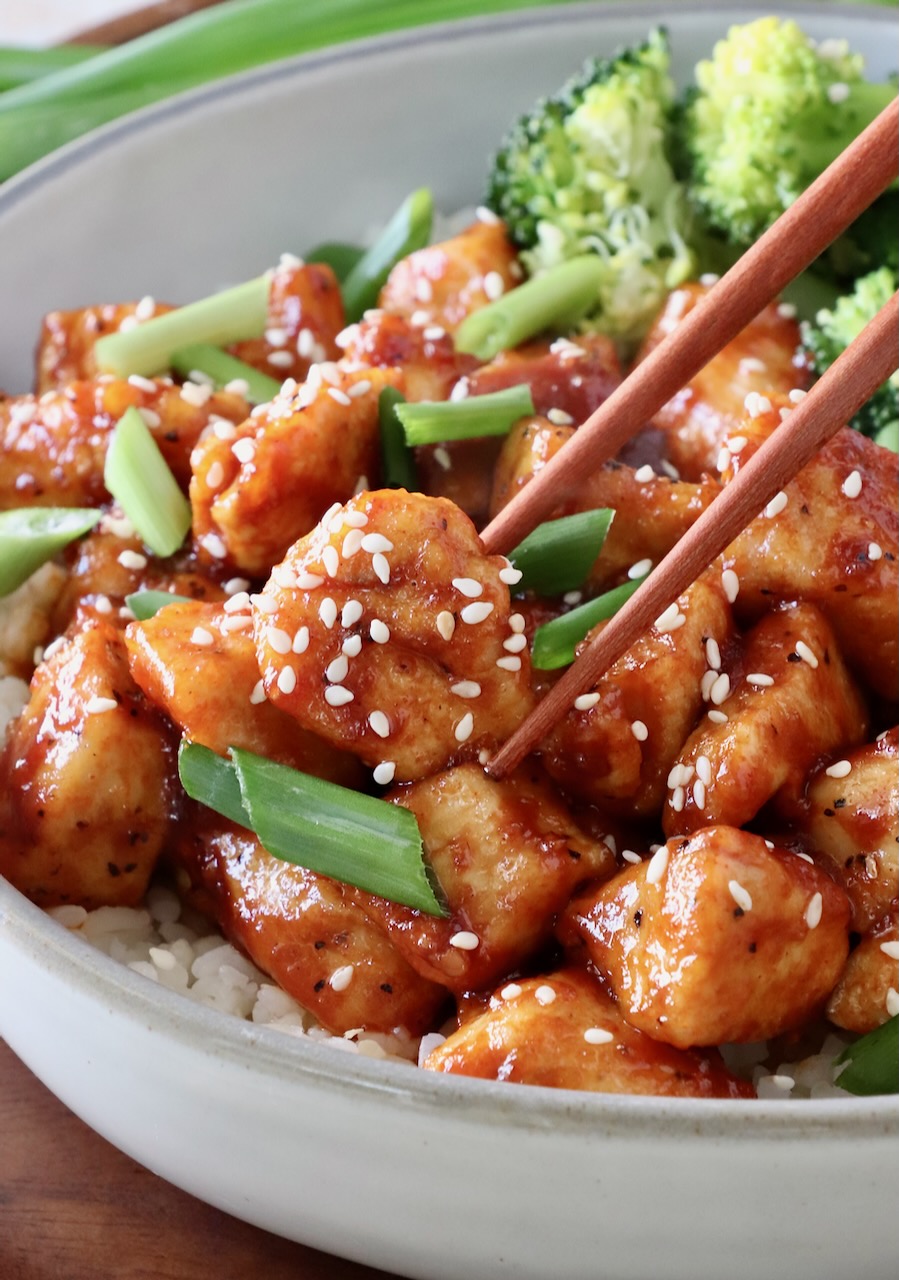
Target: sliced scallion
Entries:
(873, 1062)
(397, 461)
(22, 66)
(340, 257)
(557, 298)
(409, 229)
(555, 642)
(559, 554)
(146, 604)
(29, 536)
(138, 477)
(221, 368)
(212, 780)
(433, 422)
(234, 315)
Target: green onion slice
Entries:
(873, 1062)
(146, 604)
(434, 421)
(559, 554)
(29, 536)
(556, 298)
(220, 368)
(339, 833)
(888, 436)
(138, 477)
(409, 229)
(340, 257)
(398, 469)
(555, 642)
(234, 315)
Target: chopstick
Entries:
(814, 221)
(838, 394)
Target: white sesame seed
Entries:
(751, 364)
(355, 519)
(214, 545)
(264, 604)
(284, 576)
(446, 624)
(713, 653)
(585, 701)
(678, 799)
(730, 584)
(309, 581)
(384, 773)
(837, 92)
(516, 623)
(806, 654)
(301, 640)
(680, 775)
(598, 1035)
(736, 444)
(741, 896)
(352, 543)
(433, 332)
(644, 474)
(639, 730)
(510, 991)
(841, 769)
(96, 705)
(145, 308)
(279, 640)
(460, 390)
(215, 475)
(381, 567)
(510, 663)
(494, 285)
(704, 769)
(630, 856)
(327, 611)
(852, 485)
(756, 404)
(379, 724)
(463, 729)
(442, 458)
(871, 866)
(776, 505)
(670, 619)
(469, 587)
(258, 694)
(351, 613)
(572, 597)
(466, 689)
(132, 560)
(464, 940)
(709, 278)
(670, 471)
(338, 670)
(287, 680)
(331, 561)
(875, 551)
(892, 1002)
(195, 394)
(276, 337)
(510, 576)
(337, 696)
(890, 948)
(657, 865)
(814, 911)
(237, 622)
(424, 290)
(718, 717)
(237, 387)
(373, 542)
(760, 680)
(544, 995)
(475, 613)
(724, 459)
(103, 604)
(379, 631)
(699, 793)
(559, 418)
(341, 978)
(244, 449)
(720, 690)
(640, 568)
(142, 384)
(786, 310)
(352, 646)
(705, 685)
(797, 395)
(340, 396)
(515, 643)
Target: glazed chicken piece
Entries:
(430, 363)
(833, 542)
(568, 380)
(65, 351)
(619, 750)
(564, 1032)
(257, 491)
(25, 619)
(788, 701)
(652, 512)
(52, 449)
(383, 631)
(306, 931)
(850, 822)
(442, 284)
(507, 855)
(305, 315)
(867, 993)
(197, 662)
(717, 939)
(88, 779)
(766, 357)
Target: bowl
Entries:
(429, 1176)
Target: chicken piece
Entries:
(618, 751)
(833, 543)
(430, 365)
(462, 472)
(851, 824)
(563, 1031)
(306, 931)
(443, 283)
(789, 700)
(88, 779)
(25, 619)
(716, 939)
(568, 380)
(652, 512)
(867, 993)
(255, 493)
(305, 315)
(52, 449)
(765, 357)
(65, 350)
(507, 855)
(198, 663)
(383, 631)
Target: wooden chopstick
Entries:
(814, 221)
(139, 22)
(839, 393)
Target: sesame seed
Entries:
(355, 519)
(145, 308)
(237, 387)
(244, 449)
(340, 396)
(494, 285)
(776, 505)
(639, 730)
(741, 896)
(678, 799)
(258, 694)
(379, 631)
(195, 394)
(718, 717)
(797, 395)
(680, 775)
(381, 567)
(384, 773)
(814, 911)
(287, 680)
(352, 543)
(433, 333)
(214, 545)
(446, 624)
(284, 576)
(756, 404)
(644, 474)
(424, 290)
(475, 613)
(709, 278)
(890, 948)
(96, 705)
(460, 390)
(331, 561)
(544, 995)
(713, 653)
(720, 690)
(338, 670)
(751, 364)
(466, 689)
(786, 310)
(875, 551)
(852, 485)
(351, 613)
(892, 1002)
(704, 769)
(598, 1035)
(237, 603)
(341, 978)
(510, 991)
(806, 654)
(510, 663)
(871, 866)
(379, 724)
(640, 568)
(510, 576)
(469, 587)
(276, 337)
(463, 729)
(630, 856)
(731, 585)
(352, 646)
(419, 319)
(515, 643)
(724, 459)
(736, 444)
(657, 865)
(841, 769)
(306, 342)
(337, 696)
(279, 640)
(487, 216)
(670, 619)
(837, 92)
(559, 418)
(103, 604)
(516, 623)
(264, 604)
(760, 680)
(699, 793)
(327, 611)
(572, 597)
(705, 685)
(301, 640)
(309, 581)
(464, 940)
(142, 384)
(585, 701)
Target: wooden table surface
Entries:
(72, 1207)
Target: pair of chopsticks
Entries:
(812, 223)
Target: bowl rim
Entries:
(286, 1058)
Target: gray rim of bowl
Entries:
(479, 1101)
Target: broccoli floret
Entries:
(586, 171)
(832, 332)
(770, 110)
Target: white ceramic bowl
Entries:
(432, 1176)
